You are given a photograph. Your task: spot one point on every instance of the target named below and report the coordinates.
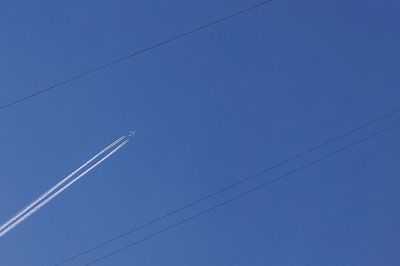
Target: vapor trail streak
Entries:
(62, 185)
(33, 203)
(36, 208)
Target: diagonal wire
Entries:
(239, 196)
(246, 179)
(151, 47)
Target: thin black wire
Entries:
(246, 179)
(246, 193)
(179, 36)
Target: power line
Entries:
(118, 60)
(245, 193)
(246, 179)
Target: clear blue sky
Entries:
(208, 110)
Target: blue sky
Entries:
(208, 109)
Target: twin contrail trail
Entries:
(57, 189)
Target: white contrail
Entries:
(61, 186)
(22, 214)
(36, 208)
(33, 203)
